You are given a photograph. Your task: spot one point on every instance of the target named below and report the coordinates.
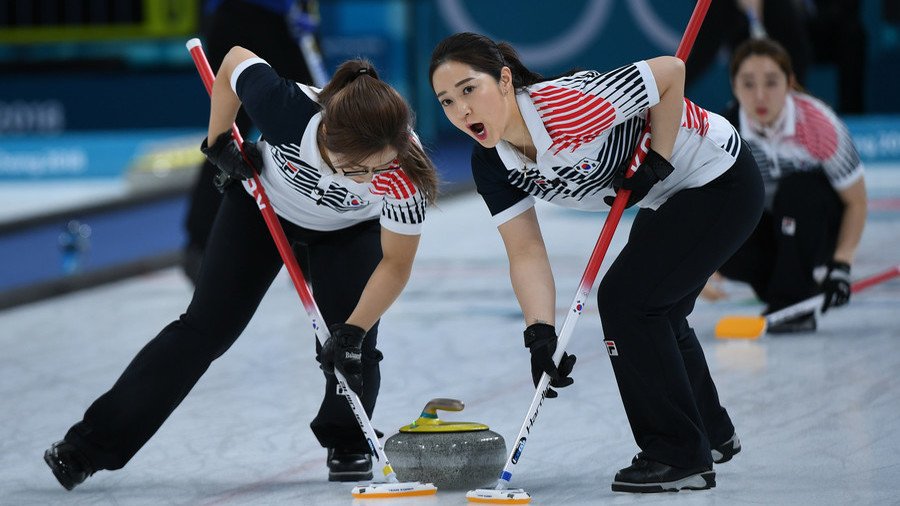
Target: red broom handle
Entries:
(876, 279)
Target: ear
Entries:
(793, 84)
(506, 80)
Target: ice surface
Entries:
(818, 414)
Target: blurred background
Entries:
(102, 112)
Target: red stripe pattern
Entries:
(571, 117)
(814, 131)
(395, 183)
(695, 117)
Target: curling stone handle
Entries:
(442, 404)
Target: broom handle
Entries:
(596, 259)
(814, 303)
(287, 255)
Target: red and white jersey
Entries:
(301, 187)
(584, 127)
(807, 136)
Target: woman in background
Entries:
(815, 207)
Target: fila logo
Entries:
(788, 226)
(611, 348)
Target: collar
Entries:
(535, 126)
(783, 126)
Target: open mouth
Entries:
(479, 130)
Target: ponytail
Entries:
(362, 115)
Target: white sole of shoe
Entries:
(699, 481)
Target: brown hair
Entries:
(363, 115)
(763, 47)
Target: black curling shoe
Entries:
(645, 476)
(346, 465)
(726, 450)
(68, 464)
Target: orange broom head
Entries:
(740, 327)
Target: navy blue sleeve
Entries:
(491, 181)
(277, 106)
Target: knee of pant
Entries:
(210, 343)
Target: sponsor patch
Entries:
(611, 348)
(519, 448)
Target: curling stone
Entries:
(452, 455)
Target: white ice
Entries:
(818, 414)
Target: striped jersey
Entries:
(807, 136)
(302, 188)
(584, 127)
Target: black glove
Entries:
(652, 170)
(225, 155)
(836, 286)
(540, 339)
(344, 351)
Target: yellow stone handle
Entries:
(433, 405)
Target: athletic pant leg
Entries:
(340, 267)
(754, 261)
(718, 425)
(238, 268)
(806, 217)
(669, 255)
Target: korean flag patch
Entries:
(586, 166)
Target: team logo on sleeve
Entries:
(586, 166)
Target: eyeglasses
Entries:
(392, 165)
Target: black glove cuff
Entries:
(837, 265)
(838, 271)
(213, 151)
(660, 167)
(539, 334)
(346, 333)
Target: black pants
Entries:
(644, 300)
(266, 33)
(798, 234)
(239, 265)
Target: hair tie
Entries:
(360, 72)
